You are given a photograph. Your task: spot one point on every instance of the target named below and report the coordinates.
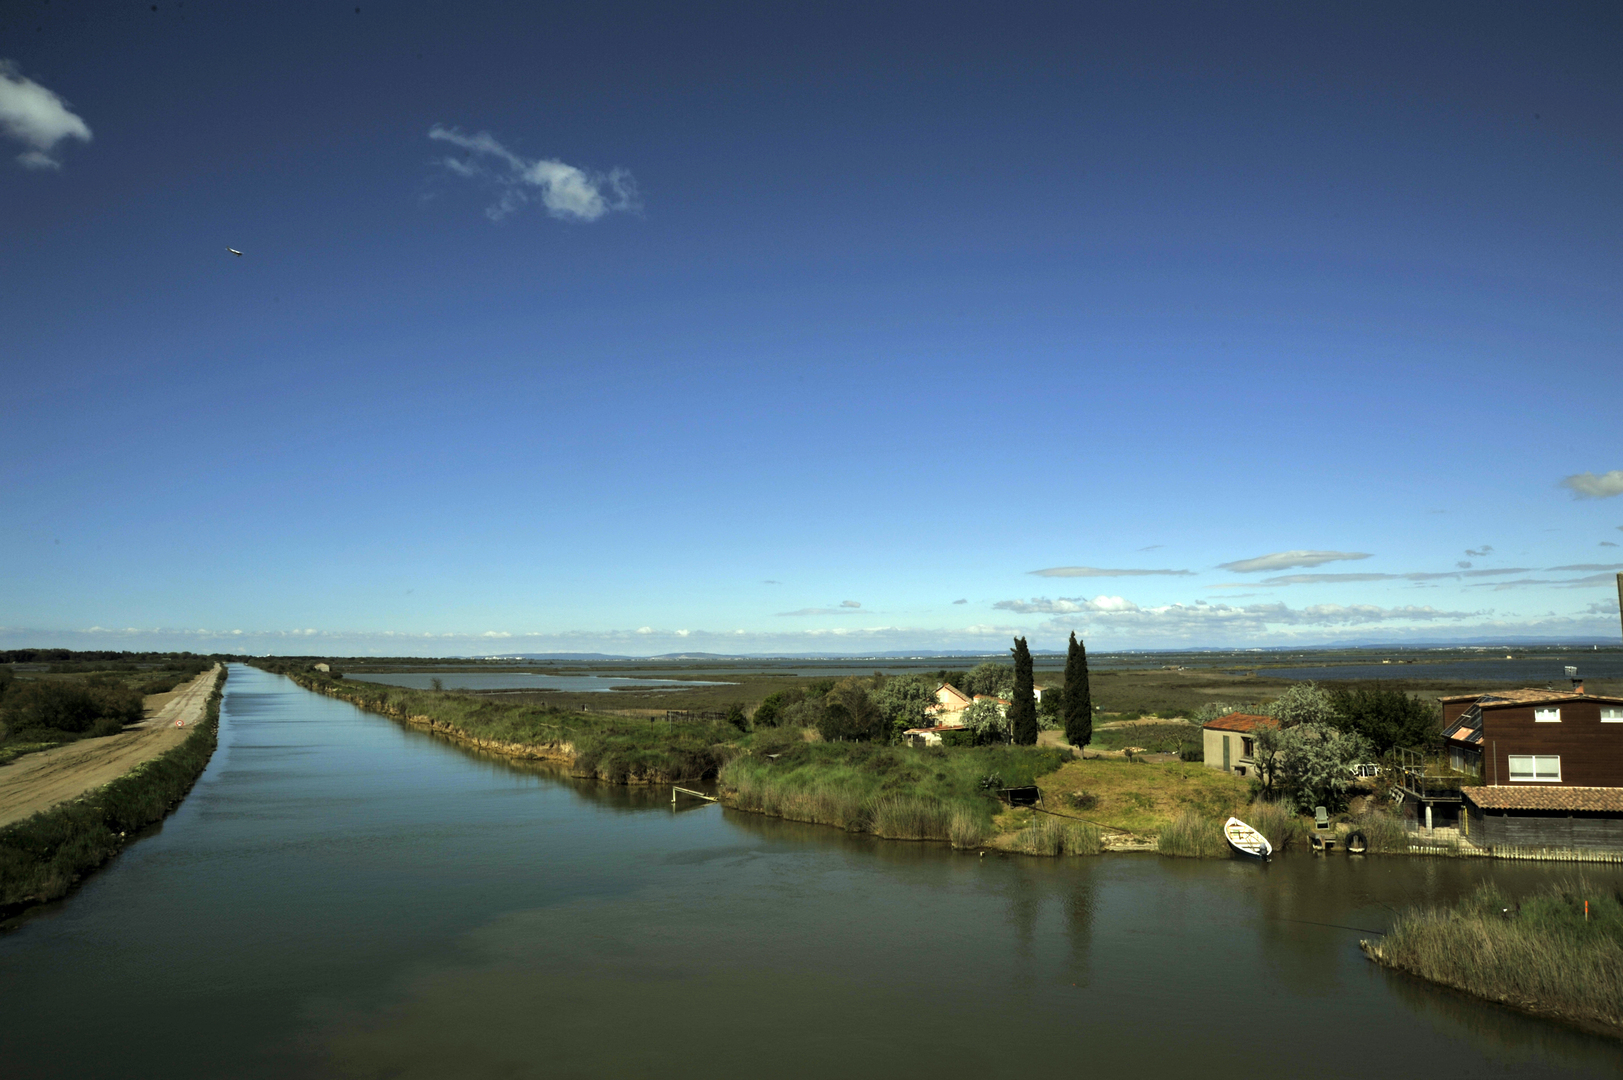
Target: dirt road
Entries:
(36, 782)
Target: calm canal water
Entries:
(521, 680)
(341, 896)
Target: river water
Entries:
(343, 896)
(522, 680)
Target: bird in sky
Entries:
(235, 252)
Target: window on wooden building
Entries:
(1536, 767)
(1547, 716)
(1611, 714)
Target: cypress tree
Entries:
(1078, 699)
(1023, 712)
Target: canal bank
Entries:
(77, 818)
(344, 896)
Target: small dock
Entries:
(688, 791)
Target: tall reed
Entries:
(1548, 953)
(1283, 828)
(1050, 835)
(1193, 836)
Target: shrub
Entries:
(69, 707)
(850, 715)
(1388, 719)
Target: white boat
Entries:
(1245, 840)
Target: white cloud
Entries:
(1284, 560)
(567, 192)
(1325, 579)
(36, 118)
(1095, 571)
(1589, 486)
(850, 603)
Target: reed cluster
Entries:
(1283, 828)
(1050, 835)
(1558, 952)
(43, 856)
(1386, 834)
(1193, 836)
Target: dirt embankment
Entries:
(39, 781)
(548, 751)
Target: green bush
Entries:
(70, 707)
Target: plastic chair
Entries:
(1321, 819)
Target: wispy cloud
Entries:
(1153, 547)
(1589, 486)
(846, 608)
(1323, 579)
(964, 601)
(1607, 543)
(1285, 560)
(1579, 568)
(1481, 552)
(850, 603)
(36, 118)
(567, 192)
(1570, 583)
(1419, 575)
(1115, 609)
(1096, 571)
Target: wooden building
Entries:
(1550, 763)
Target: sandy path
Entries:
(36, 782)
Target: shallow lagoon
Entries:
(343, 896)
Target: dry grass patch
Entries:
(1143, 798)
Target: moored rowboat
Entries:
(1245, 840)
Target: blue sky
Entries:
(808, 327)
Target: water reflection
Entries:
(346, 896)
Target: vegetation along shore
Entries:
(829, 751)
(1556, 953)
(43, 856)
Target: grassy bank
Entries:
(1544, 954)
(896, 792)
(612, 748)
(41, 857)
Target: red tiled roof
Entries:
(1239, 721)
(1546, 797)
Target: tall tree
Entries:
(1023, 712)
(1078, 698)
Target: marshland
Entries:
(362, 896)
